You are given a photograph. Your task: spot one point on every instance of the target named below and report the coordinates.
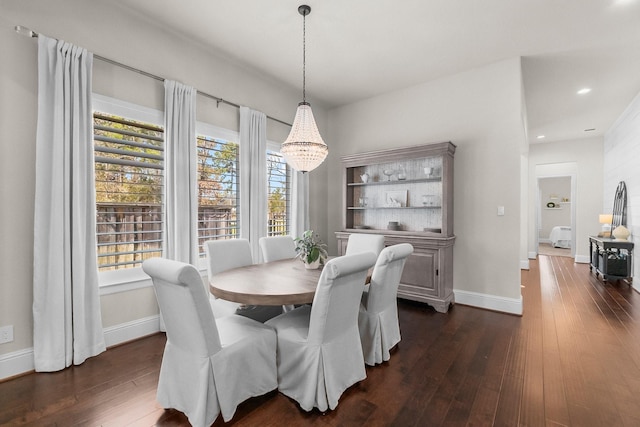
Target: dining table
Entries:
(282, 282)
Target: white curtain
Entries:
(253, 178)
(300, 204)
(66, 302)
(180, 163)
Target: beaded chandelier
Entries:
(304, 150)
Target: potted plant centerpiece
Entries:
(311, 250)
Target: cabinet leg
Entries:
(441, 308)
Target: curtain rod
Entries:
(30, 33)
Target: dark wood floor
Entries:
(573, 359)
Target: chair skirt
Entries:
(315, 375)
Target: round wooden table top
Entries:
(281, 282)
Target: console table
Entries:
(611, 258)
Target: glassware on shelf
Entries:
(402, 174)
(428, 171)
(388, 173)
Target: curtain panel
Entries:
(180, 164)
(299, 203)
(66, 301)
(253, 178)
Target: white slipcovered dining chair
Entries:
(319, 350)
(378, 317)
(275, 248)
(209, 365)
(358, 243)
(224, 255)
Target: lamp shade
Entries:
(304, 150)
(605, 218)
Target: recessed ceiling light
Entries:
(584, 91)
(540, 136)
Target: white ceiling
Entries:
(359, 49)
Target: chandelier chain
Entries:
(304, 57)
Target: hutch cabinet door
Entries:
(419, 277)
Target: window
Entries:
(218, 195)
(129, 165)
(279, 194)
(129, 190)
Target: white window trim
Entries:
(127, 279)
(217, 132)
(273, 146)
(127, 109)
(212, 131)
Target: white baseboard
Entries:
(582, 259)
(533, 255)
(16, 363)
(524, 264)
(129, 331)
(21, 361)
(489, 302)
(544, 241)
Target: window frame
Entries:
(275, 146)
(216, 132)
(126, 279)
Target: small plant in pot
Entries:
(311, 250)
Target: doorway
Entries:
(555, 215)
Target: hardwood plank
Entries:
(486, 401)
(555, 403)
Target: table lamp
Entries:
(605, 220)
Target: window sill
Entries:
(113, 282)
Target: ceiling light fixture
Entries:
(540, 136)
(584, 91)
(304, 150)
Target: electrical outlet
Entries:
(6, 334)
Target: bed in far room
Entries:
(560, 237)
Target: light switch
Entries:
(500, 210)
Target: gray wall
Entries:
(480, 112)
